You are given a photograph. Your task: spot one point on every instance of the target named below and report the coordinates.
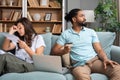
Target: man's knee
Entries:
(114, 72)
(81, 73)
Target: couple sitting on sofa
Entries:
(86, 53)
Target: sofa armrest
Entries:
(115, 53)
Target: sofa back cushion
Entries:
(47, 40)
(106, 40)
(54, 39)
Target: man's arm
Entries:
(103, 56)
(100, 51)
(60, 50)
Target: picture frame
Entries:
(44, 3)
(48, 16)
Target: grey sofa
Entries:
(106, 39)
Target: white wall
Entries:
(88, 4)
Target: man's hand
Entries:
(67, 49)
(109, 62)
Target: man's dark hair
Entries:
(72, 14)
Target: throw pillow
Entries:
(66, 57)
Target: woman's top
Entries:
(36, 43)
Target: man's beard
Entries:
(82, 24)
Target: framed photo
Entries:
(48, 16)
(44, 3)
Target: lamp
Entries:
(89, 15)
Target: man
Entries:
(86, 53)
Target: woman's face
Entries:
(21, 29)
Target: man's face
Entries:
(80, 19)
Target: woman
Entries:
(29, 44)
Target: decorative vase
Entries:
(10, 2)
(47, 29)
(36, 17)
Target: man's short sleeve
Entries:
(61, 40)
(94, 37)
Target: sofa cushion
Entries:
(94, 76)
(106, 40)
(33, 76)
(65, 58)
(54, 39)
(47, 39)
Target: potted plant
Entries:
(106, 13)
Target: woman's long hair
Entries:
(29, 31)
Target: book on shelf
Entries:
(11, 14)
(0, 14)
(29, 16)
(33, 3)
(30, 2)
(5, 14)
(19, 3)
(36, 3)
(1, 27)
(5, 28)
(54, 4)
(56, 28)
(15, 17)
(20, 15)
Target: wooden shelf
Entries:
(9, 21)
(8, 15)
(10, 7)
(46, 21)
(44, 8)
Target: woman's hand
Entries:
(109, 62)
(13, 29)
(22, 44)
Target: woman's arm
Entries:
(39, 46)
(38, 51)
